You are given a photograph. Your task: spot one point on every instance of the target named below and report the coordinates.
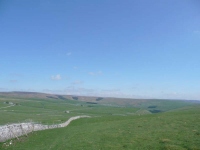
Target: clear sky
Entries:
(120, 48)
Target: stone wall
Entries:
(15, 130)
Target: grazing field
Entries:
(145, 124)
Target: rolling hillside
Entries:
(113, 124)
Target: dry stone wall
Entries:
(15, 130)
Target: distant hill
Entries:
(152, 105)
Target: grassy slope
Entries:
(35, 109)
(177, 130)
(109, 127)
(49, 111)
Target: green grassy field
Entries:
(175, 127)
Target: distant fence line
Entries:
(16, 130)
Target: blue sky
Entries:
(137, 49)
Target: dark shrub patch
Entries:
(75, 97)
(152, 106)
(61, 97)
(91, 103)
(155, 111)
(51, 97)
(99, 98)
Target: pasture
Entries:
(136, 125)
